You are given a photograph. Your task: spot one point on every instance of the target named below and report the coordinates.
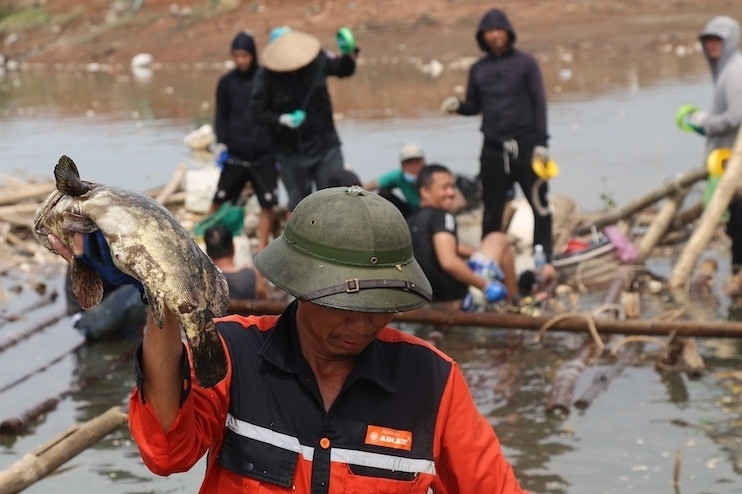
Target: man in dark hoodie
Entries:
(244, 152)
(506, 87)
(291, 97)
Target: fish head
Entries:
(62, 215)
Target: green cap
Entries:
(347, 248)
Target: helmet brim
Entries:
(299, 273)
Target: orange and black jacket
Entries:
(404, 422)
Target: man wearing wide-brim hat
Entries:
(290, 95)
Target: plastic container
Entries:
(539, 257)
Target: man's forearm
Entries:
(162, 354)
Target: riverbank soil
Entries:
(77, 31)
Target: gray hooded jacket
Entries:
(723, 121)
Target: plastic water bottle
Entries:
(539, 260)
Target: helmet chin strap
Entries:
(356, 285)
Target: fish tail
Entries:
(68, 178)
(209, 360)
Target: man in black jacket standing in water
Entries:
(506, 87)
(245, 153)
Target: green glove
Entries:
(690, 119)
(346, 40)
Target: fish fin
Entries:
(86, 284)
(209, 360)
(157, 309)
(68, 178)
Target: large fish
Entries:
(148, 243)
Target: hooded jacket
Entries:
(507, 90)
(723, 121)
(235, 127)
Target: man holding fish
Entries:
(326, 397)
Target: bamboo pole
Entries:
(34, 191)
(46, 459)
(703, 329)
(603, 379)
(15, 425)
(42, 367)
(683, 182)
(47, 299)
(661, 223)
(560, 396)
(710, 219)
(18, 337)
(173, 184)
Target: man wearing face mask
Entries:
(403, 179)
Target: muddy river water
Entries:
(613, 135)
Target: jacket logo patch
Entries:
(388, 438)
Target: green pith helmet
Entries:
(346, 248)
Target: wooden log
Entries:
(560, 395)
(709, 221)
(603, 379)
(25, 209)
(36, 465)
(15, 425)
(41, 368)
(565, 380)
(704, 329)
(175, 182)
(687, 216)
(659, 226)
(22, 335)
(34, 191)
(691, 359)
(677, 185)
(47, 299)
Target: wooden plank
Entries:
(46, 459)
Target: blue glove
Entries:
(97, 255)
(222, 158)
(346, 40)
(293, 120)
(495, 291)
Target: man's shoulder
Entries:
(523, 56)
(237, 322)
(431, 212)
(392, 335)
(391, 176)
(438, 219)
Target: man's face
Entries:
(335, 334)
(242, 60)
(497, 40)
(713, 46)
(413, 166)
(441, 192)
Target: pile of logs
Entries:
(19, 247)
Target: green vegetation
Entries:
(31, 17)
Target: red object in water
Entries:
(574, 245)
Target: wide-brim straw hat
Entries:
(290, 51)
